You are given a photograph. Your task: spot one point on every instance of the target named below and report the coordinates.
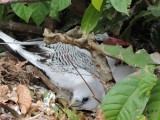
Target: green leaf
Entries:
(22, 11)
(142, 117)
(1, 13)
(156, 2)
(155, 10)
(121, 5)
(90, 19)
(97, 4)
(40, 11)
(128, 98)
(71, 115)
(57, 6)
(138, 59)
(153, 106)
(60, 5)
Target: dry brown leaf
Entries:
(1, 62)
(63, 117)
(3, 99)
(6, 116)
(9, 59)
(87, 118)
(12, 71)
(49, 111)
(100, 115)
(33, 108)
(41, 107)
(24, 98)
(11, 63)
(39, 116)
(3, 90)
(19, 65)
(13, 96)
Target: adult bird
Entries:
(68, 67)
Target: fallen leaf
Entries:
(19, 65)
(6, 116)
(63, 117)
(12, 71)
(99, 115)
(41, 106)
(9, 59)
(49, 111)
(24, 98)
(3, 90)
(3, 99)
(33, 108)
(13, 96)
(39, 116)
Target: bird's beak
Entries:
(75, 104)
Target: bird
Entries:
(68, 67)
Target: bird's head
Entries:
(83, 98)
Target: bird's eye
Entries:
(85, 99)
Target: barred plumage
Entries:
(57, 57)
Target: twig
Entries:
(82, 78)
(21, 27)
(52, 38)
(15, 1)
(12, 111)
(61, 109)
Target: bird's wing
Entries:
(65, 57)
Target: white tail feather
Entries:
(19, 49)
(7, 38)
